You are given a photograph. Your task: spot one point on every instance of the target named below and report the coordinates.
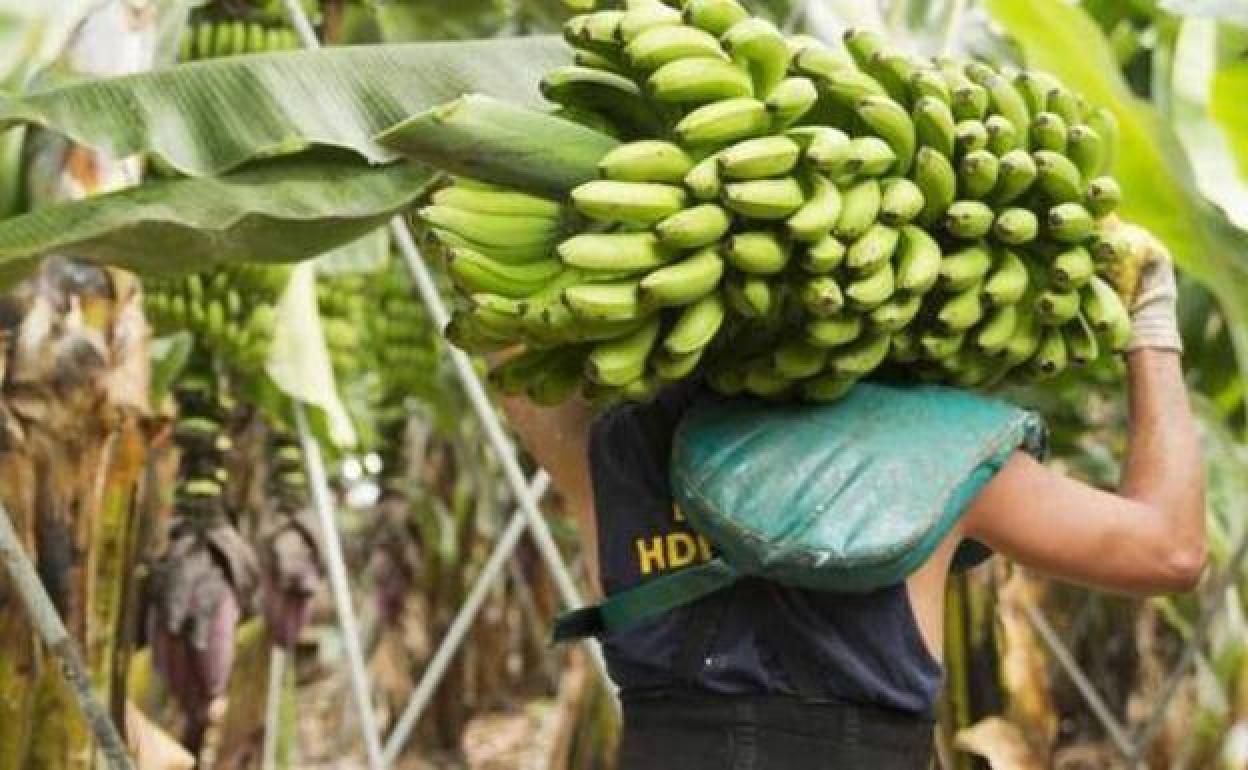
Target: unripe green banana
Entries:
(978, 71)
(826, 147)
(1015, 174)
(872, 249)
(1070, 223)
(757, 47)
(833, 332)
(1051, 357)
(938, 346)
(894, 71)
(763, 381)
(869, 156)
(918, 260)
(664, 44)
(823, 256)
(1065, 103)
(928, 82)
(475, 272)
(612, 95)
(797, 360)
(1049, 132)
(1054, 307)
(504, 202)
(634, 203)
(765, 198)
(963, 309)
(515, 254)
(901, 200)
(847, 87)
(1026, 338)
(874, 289)
(492, 229)
(815, 219)
(599, 31)
(1002, 135)
(905, 347)
(671, 367)
(714, 16)
(860, 206)
(585, 58)
(964, 268)
(759, 158)
(617, 301)
(724, 121)
(1081, 341)
(694, 227)
(861, 356)
(1105, 310)
(970, 102)
(1105, 124)
(821, 296)
(977, 174)
(1016, 226)
(1110, 250)
(934, 125)
(1009, 104)
(749, 295)
(816, 60)
(696, 325)
(684, 282)
(698, 81)
(621, 361)
(639, 20)
(890, 121)
(1058, 177)
(647, 160)
(997, 330)
(1034, 87)
(790, 100)
(1072, 268)
(703, 179)
(1009, 279)
(968, 219)
(757, 252)
(827, 388)
(1103, 196)
(897, 313)
(863, 44)
(935, 176)
(969, 136)
(614, 251)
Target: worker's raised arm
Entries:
(1150, 536)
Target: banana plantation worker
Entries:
(710, 690)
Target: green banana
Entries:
(816, 217)
(639, 20)
(1054, 307)
(1070, 222)
(1051, 357)
(963, 309)
(724, 121)
(816, 60)
(897, 313)
(492, 229)
(1065, 103)
(698, 80)
(703, 179)
(672, 367)
(1058, 177)
(1049, 132)
(833, 332)
(1015, 174)
(874, 289)
(604, 301)
(749, 295)
(765, 198)
(977, 174)
(826, 147)
(504, 202)
(894, 71)
(694, 227)
(872, 249)
(646, 160)
(664, 44)
(612, 95)
(797, 360)
(969, 136)
(757, 253)
(823, 256)
(1009, 279)
(714, 16)
(600, 31)
(614, 251)
(1105, 124)
(821, 296)
(970, 102)
(1105, 310)
(1025, 340)
(905, 348)
(938, 346)
(763, 381)
(1103, 196)
(728, 382)
(964, 268)
(997, 329)
(901, 200)
(475, 272)
(927, 82)
(585, 58)
(863, 44)
(516, 254)
(684, 282)
(861, 356)
(696, 325)
(934, 125)
(757, 47)
(759, 158)
(847, 87)
(890, 121)
(869, 156)
(918, 260)
(968, 219)
(1072, 268)
(621, 361)
(1081, 341)
(934, 175)
(635, 203)
(1002, 135)
(860, 206)
(790, 100)
(1009, 104)
(1016, 226)
(827, 388)
(1035, 87)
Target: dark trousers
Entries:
(702, 732)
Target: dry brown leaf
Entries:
(1025, 662)
(153, 748)
(1000, 742)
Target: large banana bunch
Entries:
(789, 216)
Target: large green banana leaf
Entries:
(496, 141)
(211, 116)
(280, 211)
(1230, 108)
(1159, 191)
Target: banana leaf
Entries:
(211, 116)
(494, 141)
(1230, 108)
(1159, 190)
(281, 211)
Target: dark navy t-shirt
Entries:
(866, 648)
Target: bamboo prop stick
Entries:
(340, 587)
(48, 624)
(273, 706)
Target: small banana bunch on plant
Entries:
(790, 216)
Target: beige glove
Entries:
(1153, 305)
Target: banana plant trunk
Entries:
(73, 393)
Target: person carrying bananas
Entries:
(747, 672)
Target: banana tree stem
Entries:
(48, 624)
(340, 587)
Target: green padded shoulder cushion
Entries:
(848, 496)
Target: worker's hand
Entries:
(1153, 297)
